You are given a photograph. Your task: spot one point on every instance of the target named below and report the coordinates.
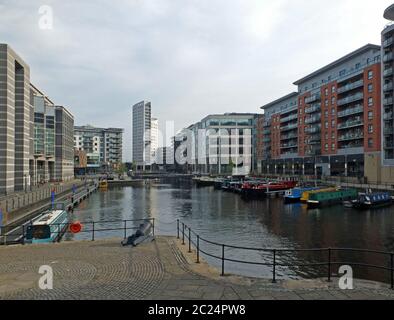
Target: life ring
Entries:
(75, 227)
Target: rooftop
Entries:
(345, 58)
(284, 98)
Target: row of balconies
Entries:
(388, 116)
(388, 57)
(313, 98)
(289, 118)
(351, 86)
(351, 98)
(288, 136)
(289, 127)
(289, 145)
(351, 136)
(350, 124)
(388, 72)
(388, 86)
(314, 108)
(313, 119)
(388, 130)
(388, 101)
(388, 42)
(313, 129)
(357, 109)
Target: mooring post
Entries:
(177, 228)
(274, 268)
(190, 241)
(329, 265)
(198, 249)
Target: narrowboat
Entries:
(204, 181)
(306, 194)
(321, 199)
(218, 183)
(260, 190)
(372, 200)
(49, 227)
(294, 195)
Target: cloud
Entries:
(190, 58)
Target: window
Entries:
(333, 135)
(370, 143)
(370, 87)
(332, 123)
(301, 121)
(370, 102)
(332, 100)
(333, 89)
(326, 113)
(370, 128)
(342, 72)
(358, 65)
(333, 111)
(333, 146)
(326, 124)
(370, 115)
(370, 74)
(326, 136)
(326, 103)
(326, 91)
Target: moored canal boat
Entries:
(321, 199)
(49, 227)
(261, 190)
(294, 195)
(306, 194)
(372, 200)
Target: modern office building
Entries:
(141, 134)
(154, 139)
(103, 146)
(15, 126)
(42, 163)
(64, 144)
(218, 144)
(328, 126)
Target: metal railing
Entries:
(94, 227)
(188, 234)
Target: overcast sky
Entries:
(190, 58)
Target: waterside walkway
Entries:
(160, 269)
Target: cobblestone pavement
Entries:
(160, 269)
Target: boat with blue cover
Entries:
(372, 200)
(294, 195)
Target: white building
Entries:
(141, 137)
(154, 134)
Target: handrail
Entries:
(274, 251)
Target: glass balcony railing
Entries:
(349, 99)
(350, 124)
(388, 116)
(388, 42)
(388, 86)
(388, 101)
(314, 108)
(351, 86)
(313, 129)
(289, 127)
(288, 136)
(358, 109)
(388, 72)
(351, 136)
(289, 118)
(313, 98)
(388, 130)
(388, 57)
(313, 119)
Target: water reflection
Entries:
(225, 217)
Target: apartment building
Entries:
(141, 134)
(154, 139)
(333, 120)
(103, 146)
(64, 144)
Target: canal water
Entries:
(226, 218)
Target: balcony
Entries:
(313, 119)
(349, 99)
(388, 86)
(314, 108)
(314, 152)
(267, 139)
(315, 138)
(388, 144)
(313, 129)
(358, 109)
(388, 116)
(350, 124)
(388, 57)
(388, 72)
(288, 146)
(289, 118)
(289, 127)
(388, 130)
(267, 131)
(266, 124)
(351, 136)
(388, 42)
(388, 101)
(351, 86)
(288, 136)
(313, 98)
